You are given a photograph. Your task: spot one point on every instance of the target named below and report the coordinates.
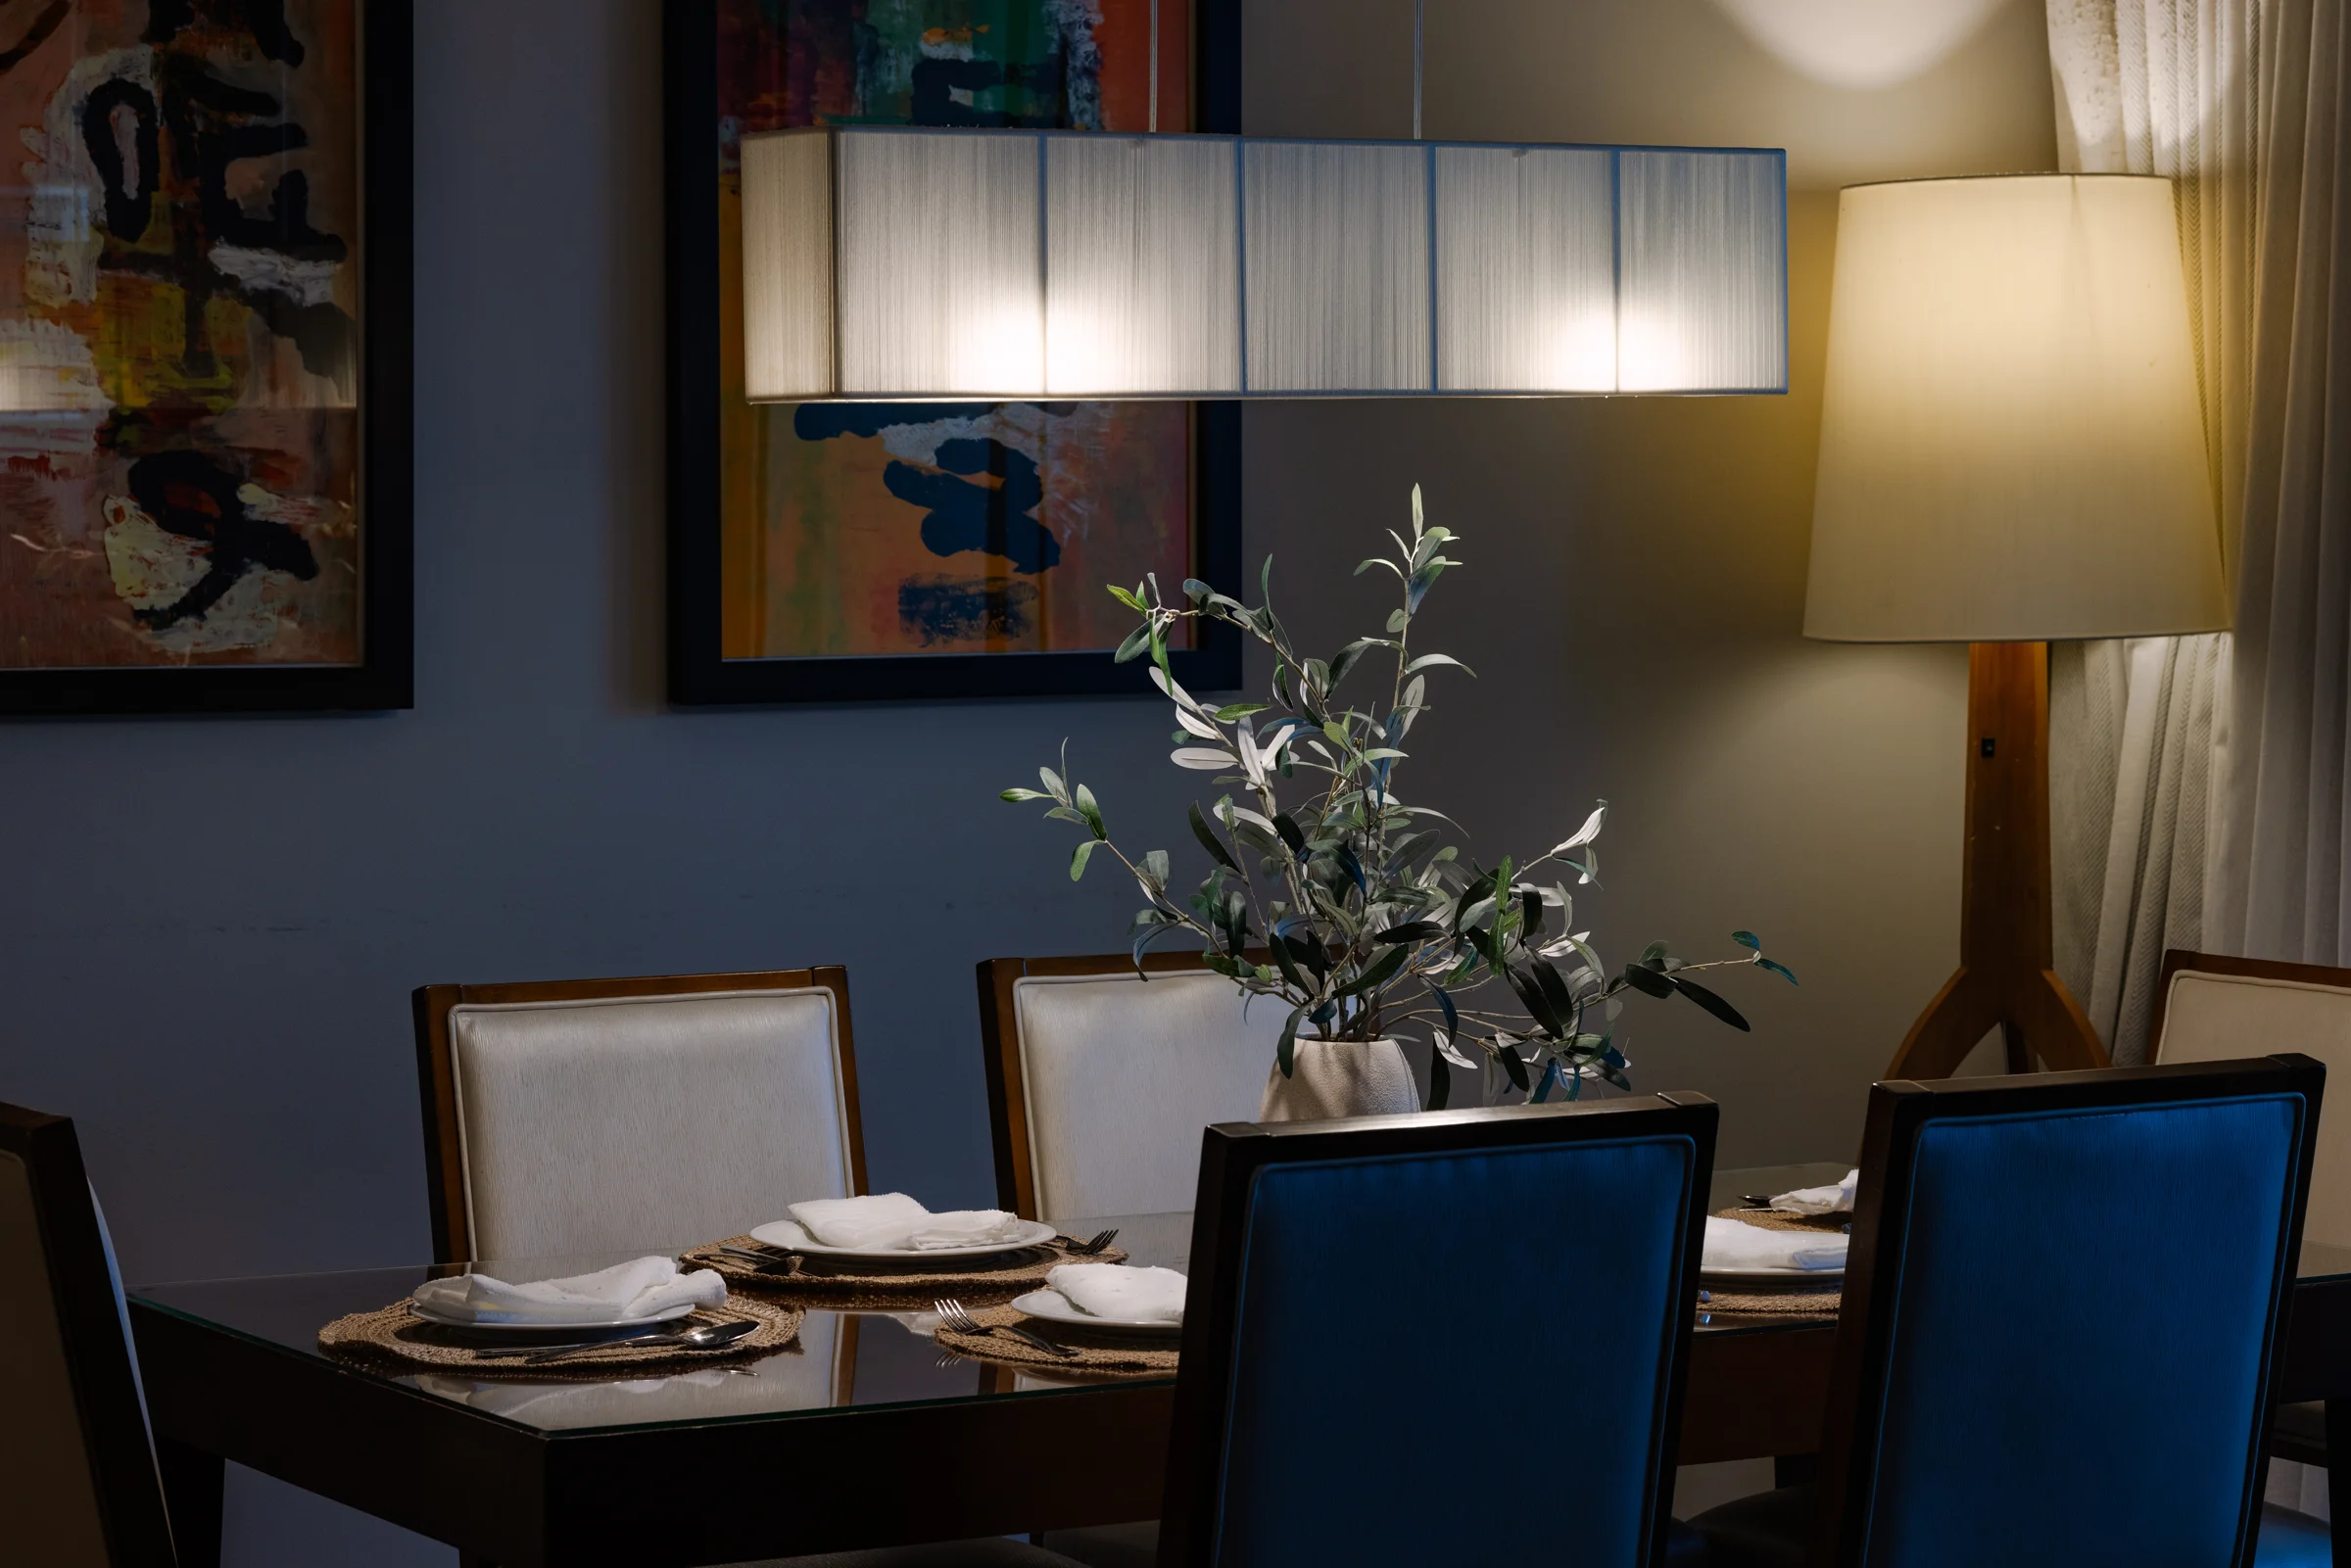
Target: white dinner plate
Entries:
(668, 1314)
(787, 1235)
(1054, 1306)
(1779, 1276)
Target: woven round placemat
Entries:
(1820, 1298)
(1098, 1351)
(1773, 1304)
(1778, 1219)
(395, 1339)
(893, 1291)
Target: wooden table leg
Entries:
(192, 1487)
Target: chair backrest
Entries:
(78, 1481)
(1099, 1081)
(2060, 1309)
(2214, 1009)
(1381, 1306)
(581, 1116)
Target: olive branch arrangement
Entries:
(1347, 905)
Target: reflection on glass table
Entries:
(1733, 1188)
(842, 1359)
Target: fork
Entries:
(956, 1320)
(1089, 1248)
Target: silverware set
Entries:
(719, 1335)
(769, 1263)
(702, 1336)
(952, 1316)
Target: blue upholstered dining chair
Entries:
(1383, 1308)
(2057, 1343)
(78, 1485)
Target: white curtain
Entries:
(2154, 87)
(2279, 884)
(2242, 102)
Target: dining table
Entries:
(864, 1433)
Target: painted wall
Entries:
(1634, 592)
(209, 931)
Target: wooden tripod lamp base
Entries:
(2008, 975)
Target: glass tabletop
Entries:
(2319, 1261)
(842, 1359)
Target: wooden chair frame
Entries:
(1000, 1045)
(1233, 1154)
(436, 1067)
(1900, 1114)
(106, 1394)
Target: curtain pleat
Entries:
(2259, 146)
(2281, 888)
(2154, 87)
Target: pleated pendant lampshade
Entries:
(884, 262)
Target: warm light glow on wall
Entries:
(895, 263)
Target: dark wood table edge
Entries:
(672, 1496)
(689, 1495)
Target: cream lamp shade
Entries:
(2012, 448)
(904, 263)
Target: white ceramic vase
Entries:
(1341, 1078)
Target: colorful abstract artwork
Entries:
(869, 532)
(181, 342)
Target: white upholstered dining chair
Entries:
(2210, 1009)
(1100, 1085)
(576, 1118)
(583, 1117)
(1099, 1081)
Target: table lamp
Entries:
(2011, 452)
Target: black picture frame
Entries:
(385, 676)
(699, 673)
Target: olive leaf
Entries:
(1374, 921)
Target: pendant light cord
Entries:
(1418, 21)
(1154, 68)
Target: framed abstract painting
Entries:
(871, 551)
(205, 419)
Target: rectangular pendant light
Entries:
(897, 263)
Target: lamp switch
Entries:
(1989, 746)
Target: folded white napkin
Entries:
(966, 1227)
(892, 1221)
(1732, 1245)
(1114, 1290)
(624, 1294)
(1837, 1199)
(884, 1219)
